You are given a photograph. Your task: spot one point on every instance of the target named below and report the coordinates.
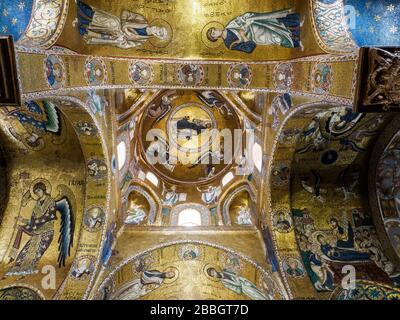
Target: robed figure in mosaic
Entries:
(40, 228)
(149, 281)
(245, 32)
(128, 31)
(238, 284)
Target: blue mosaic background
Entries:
(14, 17)
(377, 22)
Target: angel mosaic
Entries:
(249, 30)
(238, 284)
(135, 213)
(148, 280)
(37, 119)
(214, 100)
(131, 30)
(40, 228)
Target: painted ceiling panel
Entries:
(14, 17)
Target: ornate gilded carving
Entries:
(379, 80)
(330, 27)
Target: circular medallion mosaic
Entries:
(322, 78)
(191, 74)
(140, 73)
(55, 71)
(239, 75)
(95, 71)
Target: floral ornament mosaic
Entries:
(330, 26)
(230, 261)
(85, 128)
(146, 261)
(19, 293)
(280, 174)
(46, 22)
(367, 291)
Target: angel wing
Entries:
(53, 123)
(65, 205)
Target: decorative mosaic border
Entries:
(330, 27)
(27, 286)
(259, 69)
(45, 28)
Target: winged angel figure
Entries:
(33, 121)
(40, 227)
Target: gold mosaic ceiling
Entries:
(185, 124)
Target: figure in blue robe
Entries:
(247, 31)
(129, 30)
(345, 239)
(339, 254)
(321, 276)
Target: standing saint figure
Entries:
(245, 32)
(129, 31)
(238, 284)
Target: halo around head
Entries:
(175, 271)
(33, 184)
(208, 266)
(207, 42)
(157, 42)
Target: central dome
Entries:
(180, 131)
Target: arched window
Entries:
(257, 156)
(189, 218)
(227, 178)
(121, 151)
